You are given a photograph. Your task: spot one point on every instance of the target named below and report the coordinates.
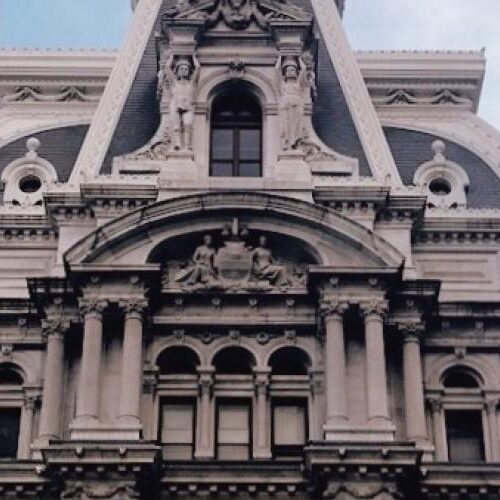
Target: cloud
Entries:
(431, 25)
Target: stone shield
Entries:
(234, 262)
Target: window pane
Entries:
(233, 433)
(9, 431)
(250, 144)
(177, 433)
(222, 144)
(250, 169)
(465, 436)
(222, 169)
(289, 425)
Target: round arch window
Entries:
(440, 186)
(30, 184)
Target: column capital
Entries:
(92, 305)
(374, 307)
(133, 306)
(491, 405)
(55, 326)
(435, 403)
(333, 307)
(411, 330)
(30, 401)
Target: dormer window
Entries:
(236, 135)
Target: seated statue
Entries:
(202, 267)
(264, 266)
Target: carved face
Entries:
(183, 70)
(207, 239)
(291, 72)
(237, 4)
(262, 241)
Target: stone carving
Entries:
(237, 14)
(35, 94)
(180, 77)
(86, 492)
(201, 270)
(361, 491)
(234, 266)
(291, 78)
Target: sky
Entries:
(371, 24)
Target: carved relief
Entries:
(235, 266)
(86, 492)
(361, 491)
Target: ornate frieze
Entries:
(88, 491)
(36, 94)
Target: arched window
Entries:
(236, 135)
(460, 378)
(10, 415)
(177, 360)
(233, 360)
(289, 361)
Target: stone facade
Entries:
(247, 262)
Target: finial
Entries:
(439, 147)
(32, 145)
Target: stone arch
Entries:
(132, 237)
(298, 359)
(182, 358)
(187, 341)
(485, 370)
(261, 85)
(460, 376)
(238, 356)
(12, 374)
(306, 344)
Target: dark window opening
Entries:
(233, 360)
(9, 431)
(464, 431)
(236, 135)
(289, 427)
(177, 431)
(289, 361)
(10, 377)
(459, 379)
(234, 436)
(178, 360)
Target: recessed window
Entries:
(464, 432)
(440, 187)
(233, 430)
(177, 429)
(30, 184)
(9, 431)
(236, 135)
(459, 379)
(289, 427)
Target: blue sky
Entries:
(371, 24)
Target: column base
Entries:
(97, 432)
(262, 455)
(203, 454)
(352, 433)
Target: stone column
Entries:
(87, 401)
(416, 428)
(491, 412)
(262, 444)
(204, 443)
(50, 418)
(26, 428)
(376, 376)
(336, 370)
(131, 379)
(438, 429)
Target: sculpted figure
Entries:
(237, 14)
(181, 78)
(264, 266)
(202, 269)
(292, 80)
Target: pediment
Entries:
(238, 15)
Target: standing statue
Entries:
(180, 76)
(292, 80)
(202, 268)
(264, 266)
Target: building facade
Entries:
(240, 260)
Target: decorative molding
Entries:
(351, 80)
(99, 136)
(65, 94)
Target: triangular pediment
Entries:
(235, 14)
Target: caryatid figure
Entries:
(292, 81)
(181, 76)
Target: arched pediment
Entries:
(317, 234)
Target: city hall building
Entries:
(240, 260)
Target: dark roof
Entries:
(60, 147)
(410, 149)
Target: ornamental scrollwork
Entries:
(133, 305)
(55, 325)
(376, 307)
(92, 305)
(361, 491)
(333, 307)
(97, 491)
